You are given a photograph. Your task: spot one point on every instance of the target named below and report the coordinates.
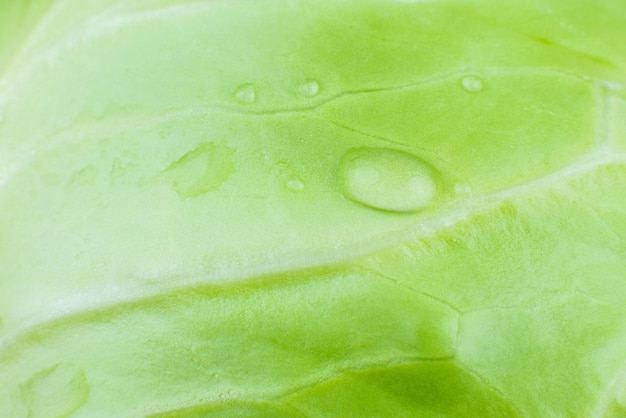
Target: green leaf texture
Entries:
(312, 208)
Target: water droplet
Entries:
(246, 93)
(472, 84)
(387, 179)
(294, 184)
(201, 170)
(309, 88)
(55, 392)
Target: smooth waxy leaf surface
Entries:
(319, 209)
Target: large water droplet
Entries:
(309, 88)
(55, 392)
(472, 84)
(387, 179)
(246, 93)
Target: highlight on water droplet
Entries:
(55, 392)
(246, 93)
(310, 88)
(472, 83)
(387, 179)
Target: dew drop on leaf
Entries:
(387, 179)
(246, 93)
(55, 392)
(294, 184)
(472, 84)
(310, 88)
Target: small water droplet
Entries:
(387, 179)
(246, 93)
(55, 392)
(472, 84)
(309, 88)
(294, 184)
(461, 188)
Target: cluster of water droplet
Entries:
(380, 178)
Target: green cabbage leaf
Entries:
(312, 208)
